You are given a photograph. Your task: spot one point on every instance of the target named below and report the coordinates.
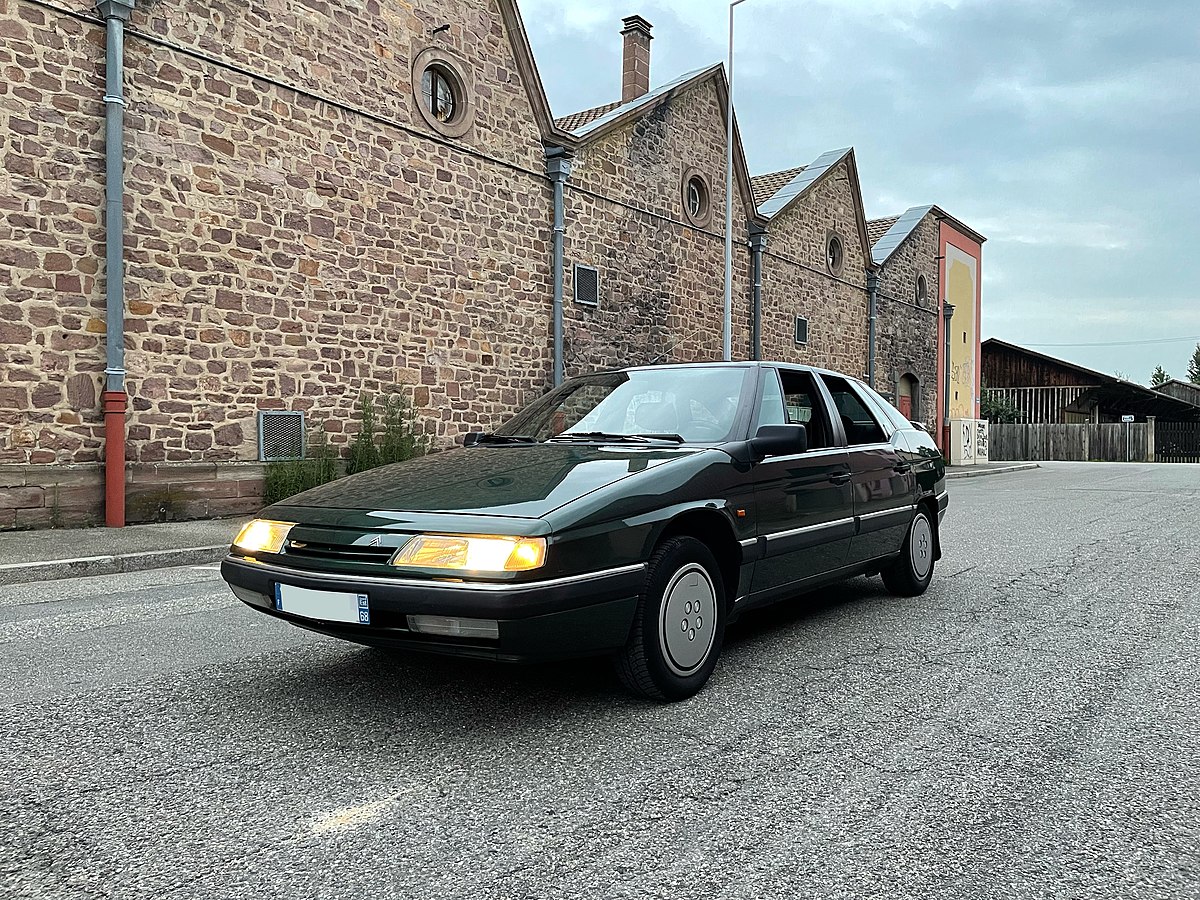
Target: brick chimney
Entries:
(635, 73)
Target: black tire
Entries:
(905, 576)
(682, 572)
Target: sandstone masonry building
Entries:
(369, 206)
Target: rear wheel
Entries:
(679, 625)
(910, 575)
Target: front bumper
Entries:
(553, 619)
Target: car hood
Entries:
(503, 480)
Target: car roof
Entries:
(741, 364)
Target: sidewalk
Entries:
(995, 468)
(73, 552)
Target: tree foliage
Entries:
(1159, 377)
(1193, 372)
(997, 409)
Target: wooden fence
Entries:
(1079, 443)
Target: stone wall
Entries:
(906, 333)
(284, 248)
(661, 276)
(797, 281)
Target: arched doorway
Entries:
(907, 396)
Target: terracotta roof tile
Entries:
(578, 120)
(767, 186)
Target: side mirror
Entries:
(471, 438)
(778, 440)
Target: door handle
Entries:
(840, 478)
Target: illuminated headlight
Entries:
(263, 536)
(472, 554)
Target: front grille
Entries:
(349, 552)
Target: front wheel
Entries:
(679, 625)
(910, 575)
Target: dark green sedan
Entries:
(633, 514)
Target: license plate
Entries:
(327, 605)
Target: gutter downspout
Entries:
(558, 167)
(872, 307)
(947, 315)
(758, 245)
(115, 13)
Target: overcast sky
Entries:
(1066, 132)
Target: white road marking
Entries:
(353, 816)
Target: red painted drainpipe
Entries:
(114, 459)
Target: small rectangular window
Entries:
(280, 435)
(587, 285)
(801, 331)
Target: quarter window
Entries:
(858, 421)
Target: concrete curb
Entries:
(85, 566)
(979, 473)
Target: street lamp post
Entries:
(728, 321)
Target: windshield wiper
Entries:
(606, 437)
(506, 439)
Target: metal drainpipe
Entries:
(558, 167)
(758, 245)
(872, 298)
(116, 14)
(947, 315)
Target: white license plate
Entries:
(328, 605)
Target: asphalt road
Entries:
(1028, 728)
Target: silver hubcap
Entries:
(687, 620)
(920, 545)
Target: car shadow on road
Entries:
(327, 683)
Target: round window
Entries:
(922, 290)
(697, 198)
(440, 93)
(834, 254)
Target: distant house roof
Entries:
(877, 228)
(766, 186)
(1184, 390)
(1110, 392)
(585, 117)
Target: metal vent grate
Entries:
(801, 331)
(587, 285)
(280, 435)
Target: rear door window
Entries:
(862, 426)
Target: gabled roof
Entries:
(883, 246)
(808, 177)
(877, 228)
(617, 115)
(585, 117)
(902, 226)
(765, 186)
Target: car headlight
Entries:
(263, 536)
(472, 554)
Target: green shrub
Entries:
(386, 434)
(289, 477)
(997, 409)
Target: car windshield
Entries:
(697, 405)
